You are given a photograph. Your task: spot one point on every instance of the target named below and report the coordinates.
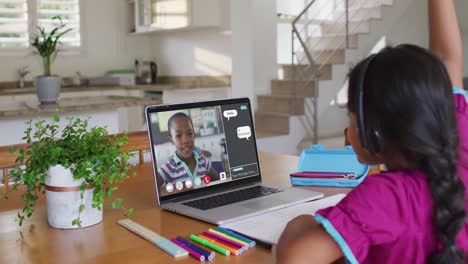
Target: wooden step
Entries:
(362, 3)
(284, 87)
(280, 104)
(357, 14)
(329, 56)
(354, 15)
(332, 42)
(271, 123)
(306, 72)
(322, 57)
(339, 28)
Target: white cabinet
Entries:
(161, 15)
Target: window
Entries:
(13, 23)
(68, 10)
(19, 20)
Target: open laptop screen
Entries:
(200, 145)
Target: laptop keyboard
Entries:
(231, 197)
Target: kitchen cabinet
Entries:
(165, 15)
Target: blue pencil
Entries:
(208, 255)
(230, 233)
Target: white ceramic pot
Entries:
(47, 88)
(63, 200)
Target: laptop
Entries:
(206, 165)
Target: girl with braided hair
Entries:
(404, 113)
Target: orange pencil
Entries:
(234, 250)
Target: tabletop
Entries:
(108, 242)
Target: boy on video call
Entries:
(187, 163)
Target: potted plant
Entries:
(46, 45)
(76, 169)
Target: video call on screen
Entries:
(222, 147)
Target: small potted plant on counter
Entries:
(76, 169)
(46, 45)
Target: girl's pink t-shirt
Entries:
(388, 218)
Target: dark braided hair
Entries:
(408, 99)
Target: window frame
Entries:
(32, 31)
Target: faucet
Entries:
(22, 73)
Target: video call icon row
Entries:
(189, 184)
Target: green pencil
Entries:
(205, 243)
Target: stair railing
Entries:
(312, 129)
(307, 65)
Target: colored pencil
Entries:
(234, 250)
(227, 231)
(192, 252)
(203, 242)
(226, 240)
(230, 237)
(208, 255)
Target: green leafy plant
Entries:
(92, 154)
(46, 43)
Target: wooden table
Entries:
(107, 242)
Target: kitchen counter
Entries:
(117, 113)
(165, 83)
(119, 108)
(29, 109)
(141, 87)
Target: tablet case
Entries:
(319, 166)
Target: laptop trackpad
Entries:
(262, 203)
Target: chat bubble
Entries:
(244, 132)
(230, 113)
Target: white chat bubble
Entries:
(230, 113)
(244, 132)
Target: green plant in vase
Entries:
(46, 46)
(77, 169)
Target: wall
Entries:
(244, 47)
(265, 44)
(106, 45)
(418, 32)
(195, 52)
(254, 63)
(192, 52)
(465, 56)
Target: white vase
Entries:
(63, 200)
(47, 88)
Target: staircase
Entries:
(272, 116)
(327, 38)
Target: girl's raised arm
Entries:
(445, 39)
